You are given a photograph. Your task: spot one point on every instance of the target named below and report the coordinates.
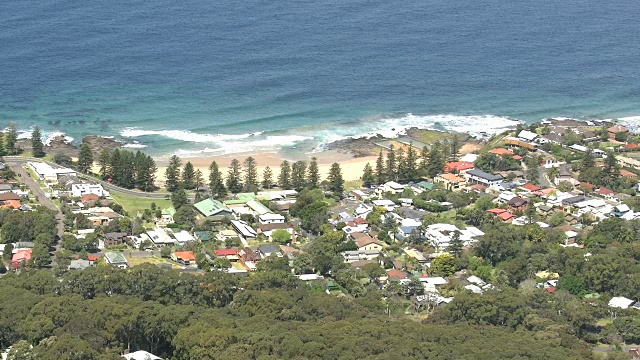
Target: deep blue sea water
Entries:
(230, 75)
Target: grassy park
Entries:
(134, 204)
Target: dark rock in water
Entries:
(357, 147)
(98, 144)
(59, 145)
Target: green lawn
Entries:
(430, 136)
(133, 204)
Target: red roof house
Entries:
(506, 216)
(395, 274)
(458, 166)
(501, 151)
(226, 252)
(21, 256)
(529, 187)
(496, 211)
(627, 173)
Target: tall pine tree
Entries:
(85, 159)
(234, 177)
(380, 170)
(336, 182)
(37, 147)
(11, 139)
(299, 175)
(267, 178)
(368, 178)
(216, 184)
(314, 174)
(188, 176)
(284, 178)
(172, 174)
(104, 161)
(250, 174)
(411, 164)
(391, 164)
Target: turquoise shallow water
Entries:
(197, 75)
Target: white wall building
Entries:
(46, 172)
(77, 190)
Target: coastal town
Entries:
(550, 209)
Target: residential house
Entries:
(184, 257)
(458, 167)
(229, 254)
(20, 257)
(501, 151)
(628, 162)
(244, 230)
(606, 193)
(384, 203)
(203, 236)
(183, 237)
(249, 256)
(477, 176)
(80, 264)
(257, 208)
(564, 174)
(518, 204)
(529, 188)
(396, 275)
(89, 198)
(212, 209)
(527, 135)
(116, 259)
(514, 141)
(268, 250)
(160, 238)
(114, 238)
(360, 195)
(226, 234)
(166, 217)
(10, 200)
(425, 185)
(78, 190)
(450, 181)
(620, 210)
(366, 242)
(393, 187)
(271, 218)
(620, 302)
(140, 355)
(615, 130)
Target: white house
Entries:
(77, 190)
(527, 135)
(184, 237)
(386, 204)
(440, 235)
(271, 218)
(160, 238)
(141, 355)
(392, 186)
(620, 302)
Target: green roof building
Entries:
(212, 209)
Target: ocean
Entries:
(200, 77)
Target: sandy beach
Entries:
(351, 167)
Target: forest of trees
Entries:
(98, 312)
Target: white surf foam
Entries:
(134, 146)
(479, 126)
(184, 135)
